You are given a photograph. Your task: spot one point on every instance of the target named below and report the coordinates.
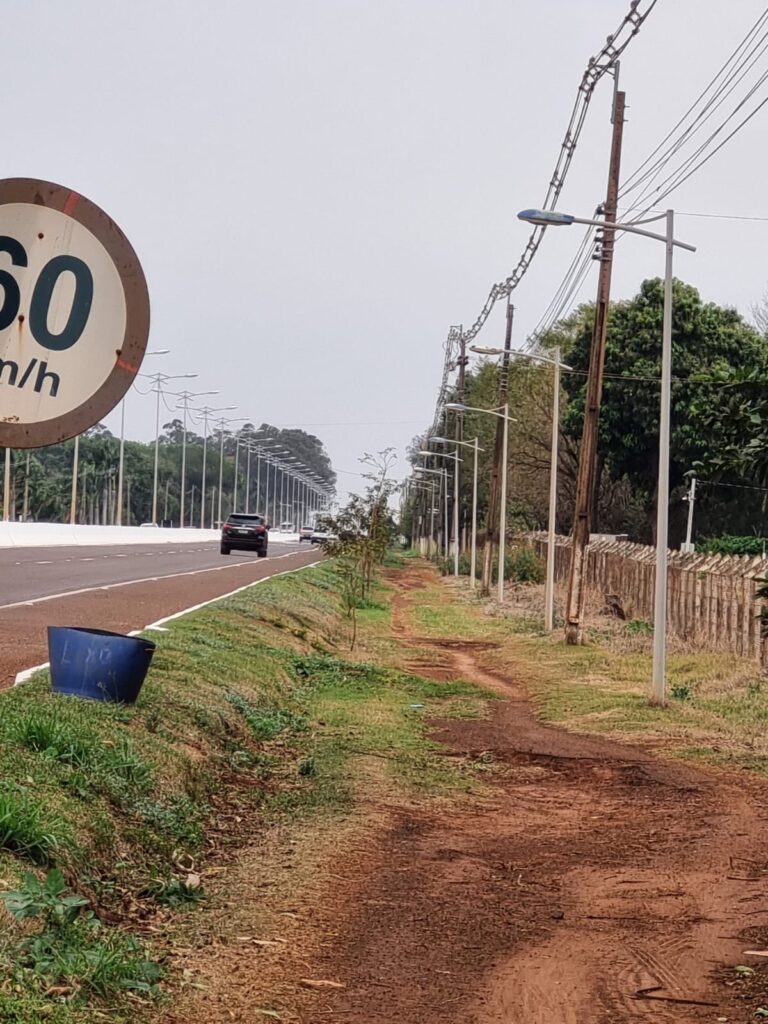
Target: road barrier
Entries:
(712, 599)
(40, 535)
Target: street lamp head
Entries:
(485, 350)
(455, 407)
(546, 218)
(439, 440)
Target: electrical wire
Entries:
(732, 73)
(596, 69)
(641, 173)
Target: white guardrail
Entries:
(43, 535)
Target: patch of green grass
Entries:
(243, 691)
(86, 959)
(43, 731)
(174, 821)
(371, 711)
(265, 718)
(30, 1007)
(29, 828)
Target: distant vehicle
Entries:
(245, 532)
(322, 537)
(287, 528)
(305, 533)
(151, 525)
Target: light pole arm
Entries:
(631, 230)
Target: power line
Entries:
(598, 66)
(738, 64)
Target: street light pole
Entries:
(474, 446)
(554, 218)
(73, 501)
(503, 414)
(557, 366)
(158, 379)
(662, 504)
(457, 460)
(121, 460)
(503, 510)
(549, 587)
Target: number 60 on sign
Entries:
(74, 313)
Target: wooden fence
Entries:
(712, 599)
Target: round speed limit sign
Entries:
(74, 313)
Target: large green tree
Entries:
(710, 343)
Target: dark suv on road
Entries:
(245, 532)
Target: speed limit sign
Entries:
(74, 318)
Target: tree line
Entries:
(719, 427)
(41, 479)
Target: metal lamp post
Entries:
(443, 474)
(473, 547)
(222, 423)
(121, 460)
(207, 411)
(502, 413)
(557, 366)
(186, 397)
(553, 218)
(456, 461)
(159, 380)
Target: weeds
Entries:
(46, 899)
(72, 951)
(174, 892)
(174, 820)
(42, 731)
(28, 827)
(265, 720)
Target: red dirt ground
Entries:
(598, 885)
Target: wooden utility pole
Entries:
(492, 527)
(586, 481)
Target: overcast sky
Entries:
(317, 189)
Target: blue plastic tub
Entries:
(96, 664)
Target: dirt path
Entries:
(595, 885)
(603, 885)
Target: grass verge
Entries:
(252, 714)
(717, 710)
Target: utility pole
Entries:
(586, 481)
(492, 526)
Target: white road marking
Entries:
(86, 559)
(43, 563)
(159, 626)
(127, 583)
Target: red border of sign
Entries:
(128, 355)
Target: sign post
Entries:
(74, 313)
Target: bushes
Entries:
(522, 565)
(733, 545)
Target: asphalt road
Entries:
(29, 574)
(119, 588)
